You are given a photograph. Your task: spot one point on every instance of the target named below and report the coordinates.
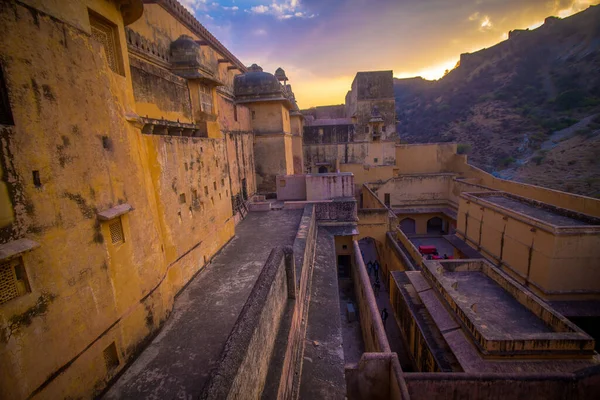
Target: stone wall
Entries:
(329, 186)
(430, 158)
(532, 252)
(336, 211)
(582, 385)
(92, 294)
(244, 363)
(374, 336)
(582, 204)
(376, 376)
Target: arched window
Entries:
(434, 226)
(408, 225)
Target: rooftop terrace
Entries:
(177, 363)
(502, 318)
(543, 212)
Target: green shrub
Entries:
(463, 148)
(505, 162)
(571, 99)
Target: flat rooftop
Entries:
(541, 211)
(500, 315)
(453, 347)
(178, 362)
(496, 308)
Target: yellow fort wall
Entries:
(70, 124)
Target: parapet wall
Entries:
(244, 363)
(440, 386)
(376, 376)
(374, 335)
(315, 187)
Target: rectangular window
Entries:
(107, 34)
(253, 114)
(111, 357)
(387, 199)
(13, 280)
(116, 231)
(235, 112)
(206, 100)
(6, 117)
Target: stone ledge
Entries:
(114, 212)
(15, 248)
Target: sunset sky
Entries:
(321, 44)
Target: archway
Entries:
(322, 169)
(435, 226)
(408, 226)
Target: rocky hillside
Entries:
(526, 109)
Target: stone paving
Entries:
(177, 363)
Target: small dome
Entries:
(257, 83)
(280, 74)
(255, 68)
(185, 52)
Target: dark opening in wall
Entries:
(107, 143)
(111, 358)
(215, 185)
(182, 198)
(37, 182)
(206, 190)
(222, 182)
(253, 114)
(235, 112)
(6, 117)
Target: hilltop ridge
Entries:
(526, 109)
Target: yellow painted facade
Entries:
(109, 284)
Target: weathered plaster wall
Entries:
(376, 376)
(291, 187)
(70, 125)
(268, 117)
(534, 256)
(298, 154)
(273, 156)
(329, 186)
(416, 190)
(583, 204)
(374, 336)
(160, 94)
(493, 386)
(371, 154)
(85, 294)
(426, 158)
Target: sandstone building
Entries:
(142, 255)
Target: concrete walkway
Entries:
(383, 301)
(179, 360)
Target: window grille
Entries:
(13, 280)
(116, 231)
(206, 101)
(111, 358)
(106, 34)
